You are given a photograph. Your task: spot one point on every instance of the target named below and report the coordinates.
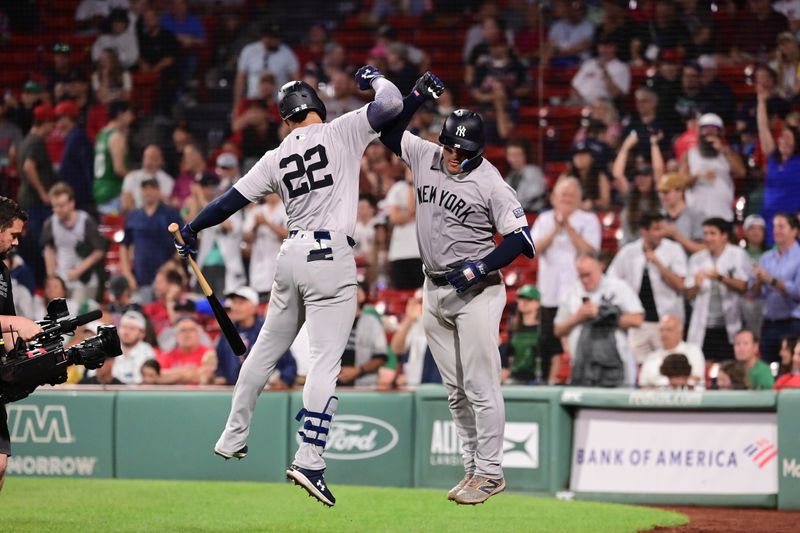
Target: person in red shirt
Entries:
(792, 379)
(167, 288)
(688, 139)
(190, 363)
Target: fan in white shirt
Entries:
(671, 331)
(559, 235)
(128, 366)
(583, 304)
(265, 227)
(604, 76)
(655, 268)
(716, 278)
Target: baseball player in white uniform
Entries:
(315, 170)
(461, 201)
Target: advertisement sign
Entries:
(674, 452)
(61, 434)
(370, 440)
(438, 456)
(354, 437)
(520, 444)
(789, 450)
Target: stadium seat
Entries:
(393, 301)
(145, 91)
(96, 119)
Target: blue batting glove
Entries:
(428, 86)
(189, 246)
(467, 275)
(366, 75)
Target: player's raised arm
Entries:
(428, 87)
(388, 101)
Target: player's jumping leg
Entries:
(478, 324)
(329, 291)
(444, 344)
(284, 318)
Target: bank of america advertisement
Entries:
(674, 453)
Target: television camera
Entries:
(44, 361)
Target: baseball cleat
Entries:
(479, 489)
(314, 483)
(451, 495)
(241, 454)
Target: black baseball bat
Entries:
(224, 321)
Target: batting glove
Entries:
(467, 275)
(429, 86)
(366, 75)
(189, 246)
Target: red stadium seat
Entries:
(145, 90)
(97, 118)
(393, 301)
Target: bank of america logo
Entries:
(761, 452)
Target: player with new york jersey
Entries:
(462, 200)
(315, 171)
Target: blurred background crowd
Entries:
(653, 144)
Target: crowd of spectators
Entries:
(664, 207)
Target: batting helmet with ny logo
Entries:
(463, 129)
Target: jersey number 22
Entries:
(300, 170)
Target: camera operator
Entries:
(12, 221)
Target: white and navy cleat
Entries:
(313, 482)
(241, 454)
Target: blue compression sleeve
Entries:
(219, 210)
(392, 134)
(387, 104)
(518, 242)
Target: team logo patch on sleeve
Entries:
(519, 212)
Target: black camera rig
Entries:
(44, 360)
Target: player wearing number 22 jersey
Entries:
(461, 201)
(315, 171)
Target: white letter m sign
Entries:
(45, 425)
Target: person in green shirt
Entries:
(745, 348)
(111, 157)
(523, 348)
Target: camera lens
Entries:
(93, 351)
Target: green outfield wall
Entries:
(715, 448)
(371, 440)
(63, 434)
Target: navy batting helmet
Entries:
(463, 129)
(298, 96)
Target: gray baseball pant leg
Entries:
(470, 368)
(329, 290)
(444, 344)
(285, 316)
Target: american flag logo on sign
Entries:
(761, 452)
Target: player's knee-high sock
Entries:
(329, 322)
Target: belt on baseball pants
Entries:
(324, 235)
(440, 280)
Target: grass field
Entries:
(53, 505)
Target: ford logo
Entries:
(354, 437)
